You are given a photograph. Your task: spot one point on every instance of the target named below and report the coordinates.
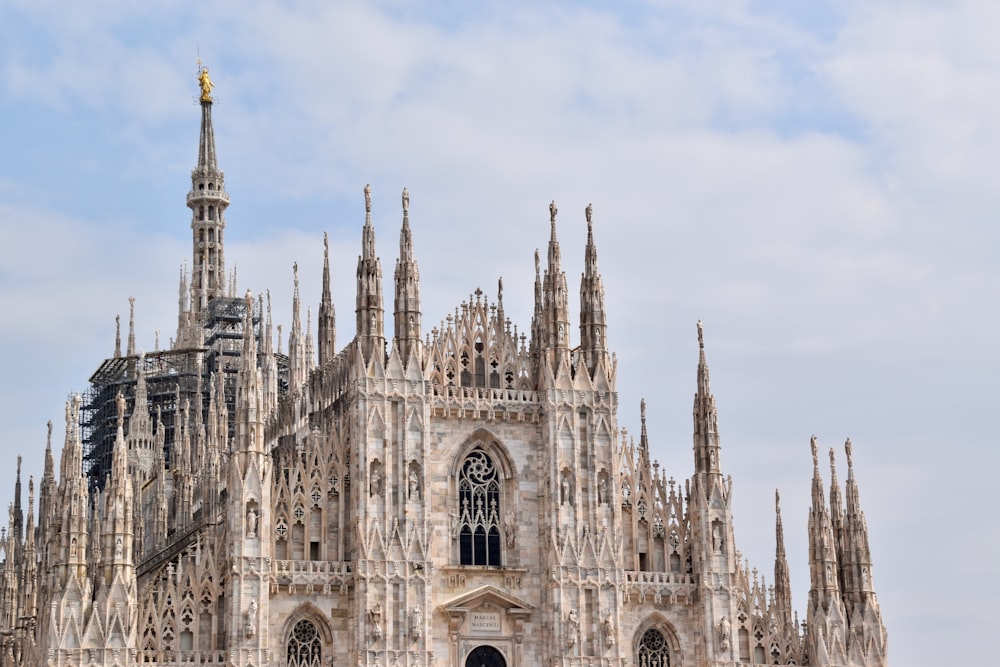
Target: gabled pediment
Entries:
(487, 610)
(487, 595)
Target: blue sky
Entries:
(815, 181)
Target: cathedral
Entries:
(458, 496)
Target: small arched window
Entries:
(653, 650)
(479, 510)
(304, 647)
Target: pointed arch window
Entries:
(653, 650)
(479, 510)
(304, 646)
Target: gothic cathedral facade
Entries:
(458, 497)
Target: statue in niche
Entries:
(375, 488)
(509, 528)
(602, 490)
(572, 627)
(375, 618)
(416, 622)
(609, 631)
(453, 515)
(717, 538)
(414, 485)
(724, 633)
(566, 493)
(119, 548)
(251, 522)
(251, 619)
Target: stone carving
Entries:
(609, 631)
(414, 486)
(375, 488)
(566, 489)
(416, 622)
(368, 198)
(590, 213)
(509, 528)
(250, 627)
(602, 489)
(251, 522)
(724, 633)
(717, 540)
(406, 200)
(119, 548)
(553, 211)
(375, 620)
(572, 628)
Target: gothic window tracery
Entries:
(653, 650)
(479, 510)
(304, 646)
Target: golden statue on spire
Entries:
(205, 82)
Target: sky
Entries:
(815, 181)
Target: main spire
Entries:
(208, 201)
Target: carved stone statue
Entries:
(717, 539)
(602, 490)
(368, 198)
(416, 622)
(724, 633)
(590, 213)
(553, 211)
(609, 631)
(406, 200)
(509, 528)
(251, 523)
(376, 483)
(375, 618)
(414, 486)
(564, 497)
(572, 627)
(251, 619)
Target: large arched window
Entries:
(304, 647)
(653, 650)
(479, 510)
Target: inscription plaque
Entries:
(484, 621)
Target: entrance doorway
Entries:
(485, 656)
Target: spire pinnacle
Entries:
(407, 312)
(326, 315)
(131, 327)
(706, 436)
